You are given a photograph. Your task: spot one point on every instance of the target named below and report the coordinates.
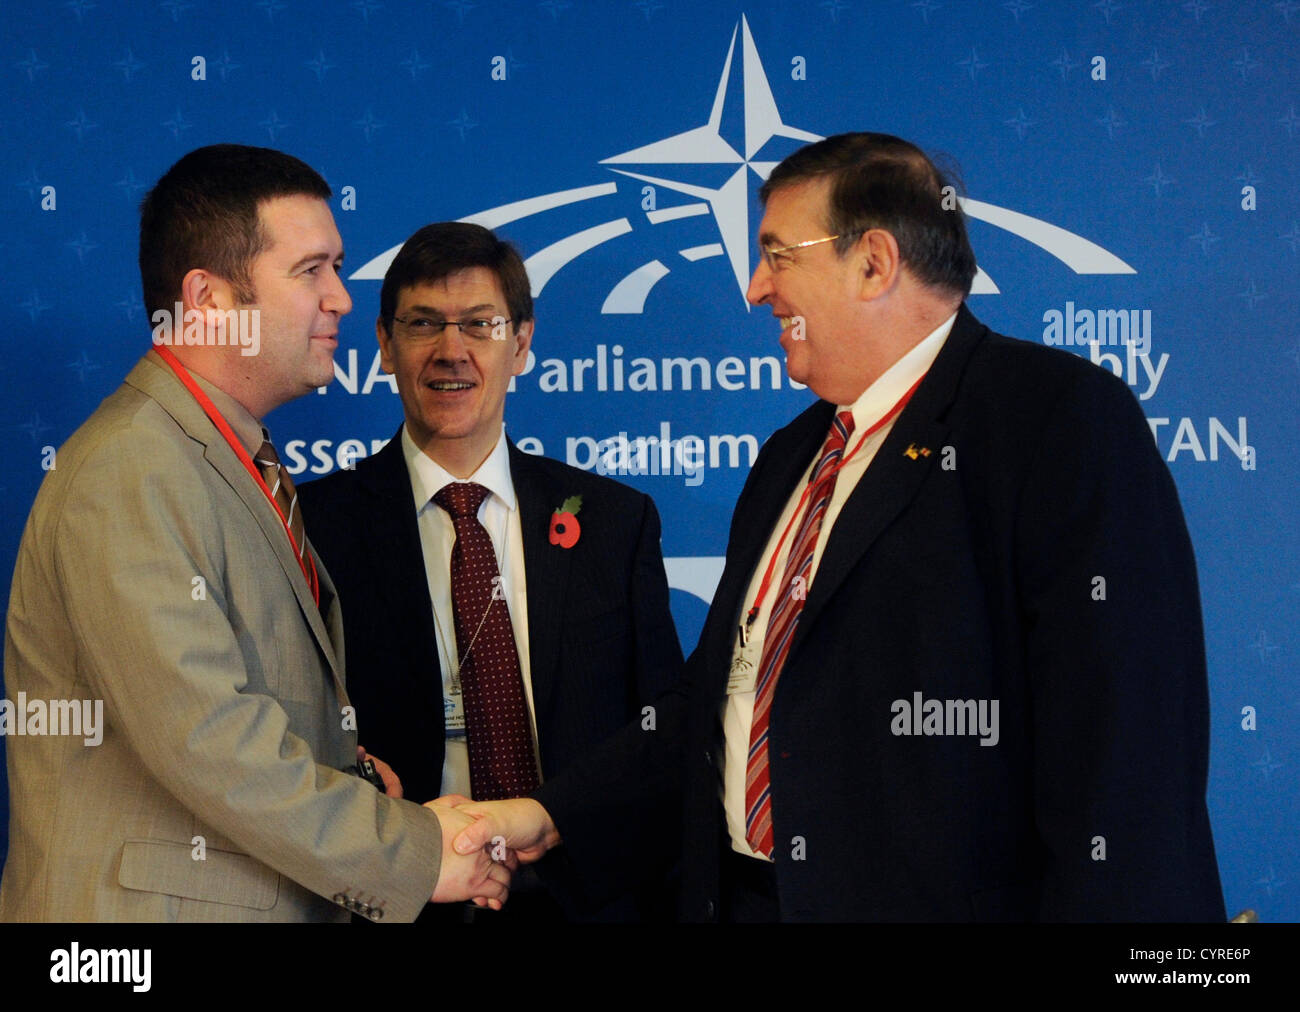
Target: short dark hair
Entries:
(882, 181)
(445, 248)
(203, 213)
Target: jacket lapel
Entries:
(395, 545)
(546, 572)
(892, 479)
(155, 380)
(757, 513)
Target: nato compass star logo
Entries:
(677, 163)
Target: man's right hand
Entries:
(467, 873)
(520, 825)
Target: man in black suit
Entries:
(569, 574)
(954, 669)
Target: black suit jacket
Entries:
(601, 640)
(1035, 555)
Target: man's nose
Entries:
(450, 344)
(337, 299)
(760, 285)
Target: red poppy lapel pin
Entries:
(564, 522)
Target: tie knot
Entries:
(461, 498)
(266, 455)
(833, 449)
(841, 429)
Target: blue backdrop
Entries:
(1138, 157)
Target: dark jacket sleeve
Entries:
(1115, 655)
(618, 808)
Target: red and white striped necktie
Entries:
(780, 631)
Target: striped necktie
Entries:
(282, 491)
(780, 632)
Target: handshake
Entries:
(484, 842)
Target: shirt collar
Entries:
(428, 476)
(886, 391)
(248, 430)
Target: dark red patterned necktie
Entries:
(502, 763)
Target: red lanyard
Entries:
(798, 510)
(304, 558)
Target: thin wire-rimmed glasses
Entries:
(422, 329)
(776, 256)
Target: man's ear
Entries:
(205, 291)
(211, 295)
(385, 347)
(877, 261)
(523, 341)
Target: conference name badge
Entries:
(453, 715)
(743, 675)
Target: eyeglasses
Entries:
(422, 329)
(775, 256)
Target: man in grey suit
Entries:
(164, 574)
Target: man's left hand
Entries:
(392, 784)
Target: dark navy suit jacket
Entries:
(1017, 538)
(600, 635)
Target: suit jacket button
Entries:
(340, 899)
(710, 909)
(363, 909)
(377, 914)
(708, 757)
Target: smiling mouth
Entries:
(446, 385)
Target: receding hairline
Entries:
(266, 241)
(824, 180)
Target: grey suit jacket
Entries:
(155, 576)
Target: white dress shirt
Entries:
(738, 710)
(499, 514)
